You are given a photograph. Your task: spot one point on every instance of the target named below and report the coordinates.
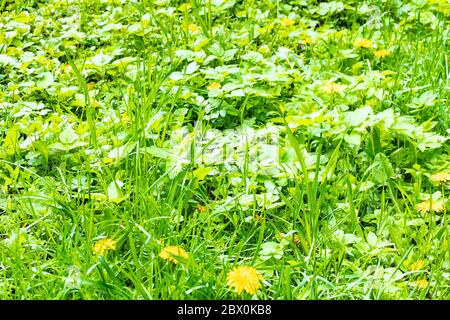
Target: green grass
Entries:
(310, 162)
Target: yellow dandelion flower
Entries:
(418, 265)
(440, 177)
(381, 53)
(422, 283)
(333, 87)
(287, 22)
(307, 41)
(424, 206)
(103, 245)
(363, 43)
(193, 28)
(173, 253)
(244, 279)
(214, 85)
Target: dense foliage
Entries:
(147, 148)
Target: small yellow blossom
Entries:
(422, 283)
(424, 206)
(307, 41)
(333, 87)
(440, 177)
(173, 253)
(214, 85)
(287, 22)
(103, 245)
(418, 265)
(202, 209)
(381, 53)
(193, 28)
(244, 279)
(362, 43)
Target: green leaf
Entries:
(381, 170)
(101, 59)
(66, 147)
(11, 141)
(191, 67)
(68, 136)
(372, 239)
(353, 138)
(121, 151)
(157, 152)
(201, 173)
(43, 150)
(271, 250)
(374, 143)
(237, 93)
(46, 80)
(357, 117)
(115, 193)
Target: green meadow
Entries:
(224, 149)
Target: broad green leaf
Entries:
(381, 170)
(191, 67)
(357, 117)
(68, 136)
(66, 147)
(237, 93)
(271, 250)
(115, 193)
(46, 80)
(101, 59)
(415, 222)
(11, 140)
(43, 150)
(372, 239)
(16, 239)
(157, 152)
(176, 75)
(96, 196)
(121, 151)
(122, 63)
(353, 138)
(201, 173)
